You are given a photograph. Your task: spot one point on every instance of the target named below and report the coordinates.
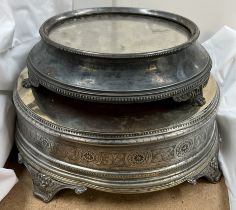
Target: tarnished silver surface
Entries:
(120, 55)
(66, 143)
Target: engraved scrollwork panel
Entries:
(149, 156)
(36, 137)
(140, 157)
(184, 148)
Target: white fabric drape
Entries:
(19, 24)
(222, 49)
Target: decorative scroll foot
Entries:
(199, 100)
(31, 81)
(212, 172)
(26, 83)
(44, 186)
(196, 97)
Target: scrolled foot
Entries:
(181, 98)
(26, 83)
(212, 172)
(45, 187)
(199, 100)
(31, 81)
(196, 97)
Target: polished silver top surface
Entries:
(119, 33)
(109, 118)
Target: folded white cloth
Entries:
(7, 176)
(222, 49)
(20, 22)
(7, 181)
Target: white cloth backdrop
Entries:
(20, 21)
(222, 49)
(19, 24)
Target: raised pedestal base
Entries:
(66, 143)
(46, 185)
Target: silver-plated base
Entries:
(45, 186)
(103, 153)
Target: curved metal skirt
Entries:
(50, 175)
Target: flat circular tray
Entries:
(120, 55)
(119, 32)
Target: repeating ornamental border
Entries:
(184, 148)
(137, 183)
(183, 88)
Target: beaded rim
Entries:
(59, 19)
(109, 138)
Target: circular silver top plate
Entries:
(119, 34)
